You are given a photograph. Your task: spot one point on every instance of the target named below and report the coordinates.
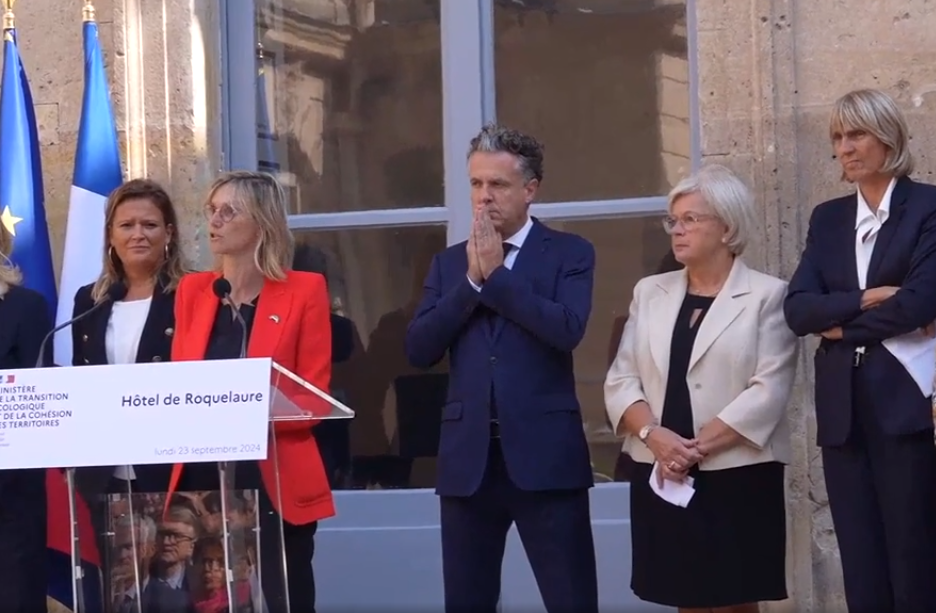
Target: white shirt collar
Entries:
(883, 210)
(520, 236)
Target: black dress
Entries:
(728, 546)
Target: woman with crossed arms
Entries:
(699, 389)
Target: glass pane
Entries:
(626, 250)
(604, 84)
(349, 103)
(375, 279)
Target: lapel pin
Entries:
(274, 318)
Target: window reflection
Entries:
(605, 85)
(350, 102)
(626, 250)
(375, 279)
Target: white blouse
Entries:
(122, 341)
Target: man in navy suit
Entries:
(867, 277)
(510, 305)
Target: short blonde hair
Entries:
(876, 113)
(729, 198)
(260, 195)
(9, 274)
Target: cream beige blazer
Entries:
(741, 370)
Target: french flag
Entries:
(97, 173)
(58, 548)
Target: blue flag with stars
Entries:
(22, 202)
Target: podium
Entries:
(216, 542)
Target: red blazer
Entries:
(291, 326)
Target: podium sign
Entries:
(217, 542)
(58, 416)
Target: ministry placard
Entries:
(157, 413)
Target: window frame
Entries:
(467, 47)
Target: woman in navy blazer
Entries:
(143, 258)
(867, 279)
(25, 319)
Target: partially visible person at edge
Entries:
(287, 317)
(24, 322)
(510, 305)
(866, 286)
(698, 390)
(142, 266)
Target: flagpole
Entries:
(9, 19)
(78, 599)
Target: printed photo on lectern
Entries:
(180, 559)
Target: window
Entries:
(349, 110)
(605, 87)
(365, 110)
(375, 279)
(626, 250)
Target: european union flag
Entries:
(22, 207)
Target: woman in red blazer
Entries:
(287, 316)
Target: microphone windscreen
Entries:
(221, 288)
(117, 291)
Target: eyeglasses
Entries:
(689, 221)
(173, 536)
(225, 212)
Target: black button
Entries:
(493, 360)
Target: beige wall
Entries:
(768, 71)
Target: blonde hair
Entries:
(9, 274)
(876, 113)
(260, 195)
(729, 198)
(173, 265)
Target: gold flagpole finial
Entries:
(87, 13)
(9, 19)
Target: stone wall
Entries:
(163, 62)
(769, 72)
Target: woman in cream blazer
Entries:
(698, 391)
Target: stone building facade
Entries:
(745, 84)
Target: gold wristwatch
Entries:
(645, 432)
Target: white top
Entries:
(915, 350)
(867, 226)
(122, 341)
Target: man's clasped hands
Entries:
(485, 247)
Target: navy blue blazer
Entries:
(543, 305)
(24, 322)
(88, 348)
(824, 293)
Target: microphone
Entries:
(115, 293)
(222, 289)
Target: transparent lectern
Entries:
(216, 546)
